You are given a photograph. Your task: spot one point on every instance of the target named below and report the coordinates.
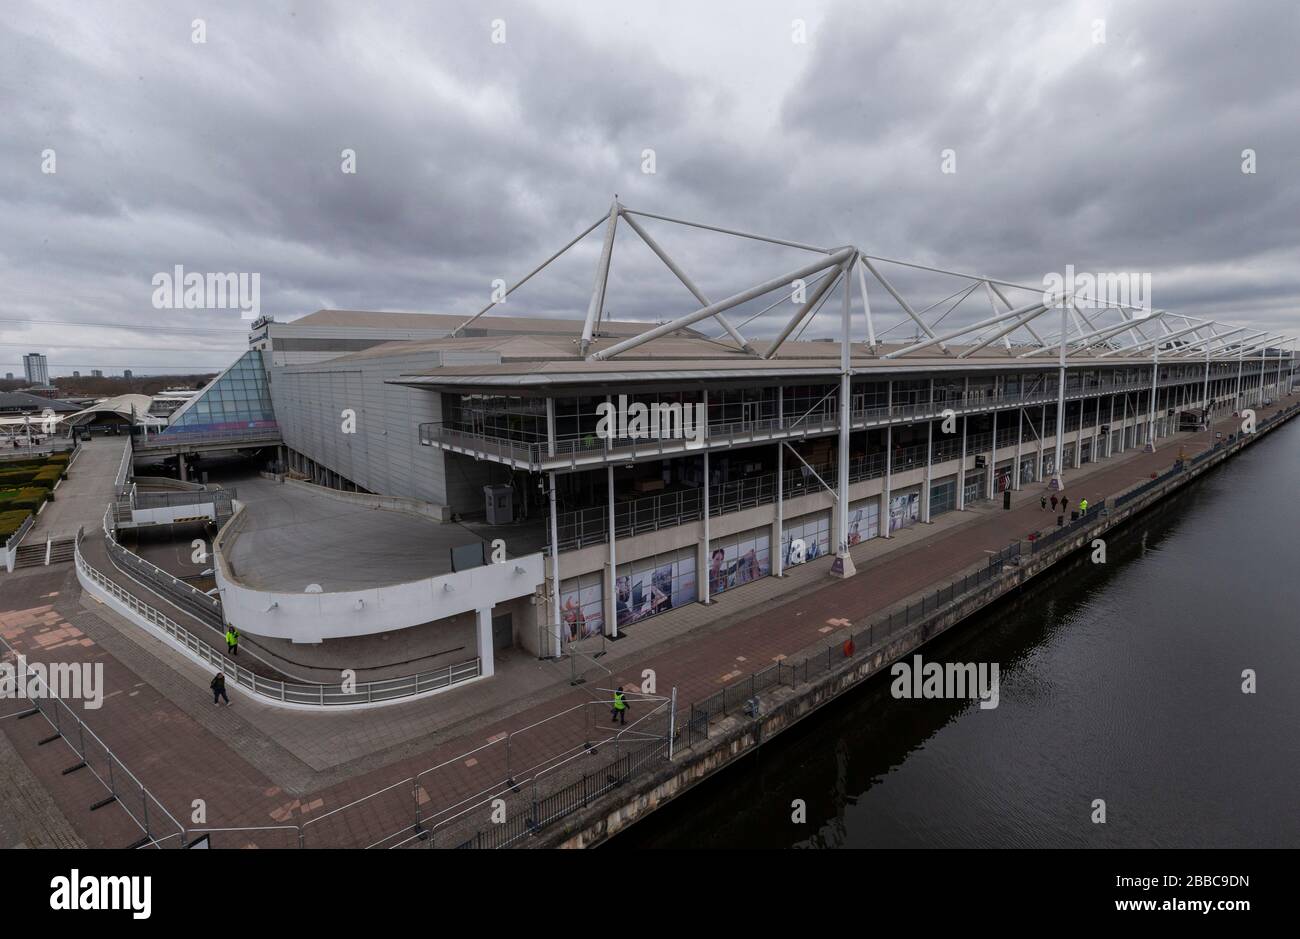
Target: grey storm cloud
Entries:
(475, 160)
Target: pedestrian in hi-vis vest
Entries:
(618, 713)
(232, 640)
(218, 686)
(1083, 506)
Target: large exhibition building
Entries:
(573, 478)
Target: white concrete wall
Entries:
(169, 513)
(312, 617)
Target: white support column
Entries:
(1020, 439)
(889, 459)
(557, 624)
(1241, 352)
(843, 566)
(611, 588)
(1123, 436)
(1042, 429)
(1078, 436)
(991, 476)
(557, 617)
(1205, 395)
(961, 465)
(483, 631)
(929, 460)
(778, 526)
(1155, 381)
(1056, 483)
(597, 305)
(1110, 425)
(889, 470)
(702, 565)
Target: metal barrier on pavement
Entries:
(123, 787)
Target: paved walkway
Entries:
(29, 817)
(82, 498)
(256, 767)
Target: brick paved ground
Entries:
(257, 766)
(29, 817)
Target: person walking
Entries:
(232, 640)
(1065, 505)
(218, 686)
(1042, 503)
(618, 713)
(1083, 507)
(1053, 503)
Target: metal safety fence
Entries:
(122, 786)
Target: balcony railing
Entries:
(184, 439)
(534, 452)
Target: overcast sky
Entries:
(476, 159)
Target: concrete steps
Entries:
(30, 555)
(43, 553)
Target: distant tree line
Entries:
(87, 386)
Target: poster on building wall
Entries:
(864, 521)
(805, 538)
(655, 585)
(904, 509)
(739, 560)
(582, 607)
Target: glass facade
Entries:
(237, 399)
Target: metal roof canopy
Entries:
(1079, 335)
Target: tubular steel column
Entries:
(1020, 439)
(611, 604)
(991, 489)
(557, 615)
(961, 464)
(929, 457)
(1205, 395)
(778, 536)
(843, 565)
(1241, 352)
(1155, 381)
(889, 456)
(1057, 484)
(1110, 426)
(702, 562)
(557, 624)
(1042, 429)
(1078, 436)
